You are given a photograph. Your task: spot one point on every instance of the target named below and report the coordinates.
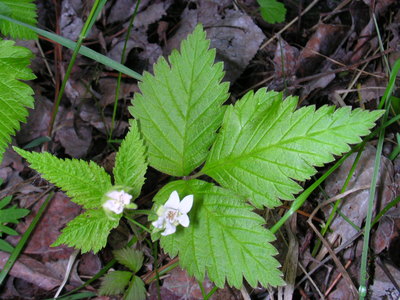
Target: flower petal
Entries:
(186, 205)
(169, 229)
(110, 205)
(159, 223)
(113, 195)
(184, 220)
(173, 201)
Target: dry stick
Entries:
(343, 69)
(339, 265)
(288, 25)
(337, 279)
(308, 276)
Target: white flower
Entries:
(173, 213)
(117, 201)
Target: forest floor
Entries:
(326, 53)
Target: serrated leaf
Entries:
(180, 107)
(20, 10)
(264, 144)
(272, 11)
(130, 162)
(86, 183)
(224, 237)
(114, 283)
(131, 258)
(88, 231)
(136, 290)
(15, 96)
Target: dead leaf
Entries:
(234, 35)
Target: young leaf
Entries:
(114, 283)
(21, 10)
(272, 11)
(180, 107)
(224, 237)
(130, 162)
(264, 144)
(15, 96)
(131, 258)
(136, 290)
(86, 183)
(88, 231)
(5, 246)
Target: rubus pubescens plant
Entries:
(254, 149)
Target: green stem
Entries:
(15, 254)
(128, 34)
(337, 203)
(208, 296)
(96, 9)
(100, 273)
(85, 51)
(137, 223)
(386, 99)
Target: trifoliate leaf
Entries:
(180, 107)
(88, 231)
(20, 10)
(131, 258)
(130, 162)
(15, 96)
(114, 283)
(272, 11)
(86, 183)
(224, 237)
(136, 290)
(264, 144)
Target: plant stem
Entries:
(85, 51)
(128, 33)
(96, 9)
(14, 255)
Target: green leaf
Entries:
(5, 246)
(21, 10)
(180, 107)
(114, 283)
(272, 11)
(130, 162)
(264, 144)
(15, 96)
(224, 237)
(88, 231)
(131, 258)
(5, 201)
(136, 290)
(7, 230)
(12, 214)
(86, 183)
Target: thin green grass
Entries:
(123, 54)
(95, 11)
(100, 58)
(21, 244)
(386, 103)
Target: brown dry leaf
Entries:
(179, 285)
(234, 35)
(37, 123)
(74, 135)
(382, 287)
(107, 90)
(60, 211)
(355, 205)
(324, 41)
(285, 59)
(31, 271)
